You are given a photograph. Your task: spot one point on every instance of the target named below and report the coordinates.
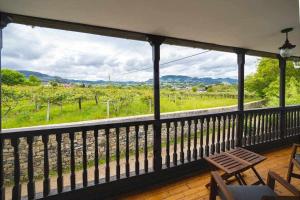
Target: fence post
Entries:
(240, 117)
(48, 111)
(282, 68)
(155, 42)
(107, 108)
(4, 20)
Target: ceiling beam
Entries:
(112, 32)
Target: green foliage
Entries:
(34, 81)
(194, 89)
(27, 105)
(222, 88)
(265, 82)
(10, 99)
(53, 83)
(12, 77)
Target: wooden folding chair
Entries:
(294, 162)
(250, 192)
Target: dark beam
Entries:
(112, 32)
(241, 79)
(155, 42)
(282, 68)
(4, 20)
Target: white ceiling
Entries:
(251, 24)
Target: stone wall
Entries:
(38, 147)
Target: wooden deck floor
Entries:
(194, 187)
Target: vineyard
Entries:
(38, 105)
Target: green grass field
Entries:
(25, 114)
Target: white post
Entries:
(107, 108)
(48, 111)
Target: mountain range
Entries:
(163, 79)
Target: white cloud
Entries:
(91, 57)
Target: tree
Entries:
(267, 73)
(10, 99)
(12, 77)
(53, 83)
(194, 89)
(34, 81)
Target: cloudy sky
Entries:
(91, 57)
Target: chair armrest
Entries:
(217, 183)
(294, 151)
(296, 145)
(272, 177)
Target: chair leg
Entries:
(213, 189)
(290, 171)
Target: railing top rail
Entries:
(67, 128)
(289, 107)
(272, 109)
(199, 116)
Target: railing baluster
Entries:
(30, 184)
(96, 159)
(273, 126)
(2, 188)
(270, 126)
(298, 121)
(16, 192)
(294, 122)
(182, 142)
(212, 146)
(46, 182)
(219, 134)
(263, 138)
(127, 166)
(253, 139)
(189, 141)
(72, 162)
(146, 148)
(137, 163)
(107, 156)
(267, 127)
(228, 133)
(289, 123)
(175, 144)
(250, 129)
(245, 130)
(118, 168)
(195, 139)
(233, 131)
(207, 137)
(224, 133)
(168, 145)
(59, 179)
(258, 140)
(84, 160)
(277, 126)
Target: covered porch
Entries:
(193, 187)
(163, 148)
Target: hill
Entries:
(164, 79)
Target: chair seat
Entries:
(251, 192)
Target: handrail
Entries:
(62, 128)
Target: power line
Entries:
(176, 60)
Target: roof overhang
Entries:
(219, 25)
